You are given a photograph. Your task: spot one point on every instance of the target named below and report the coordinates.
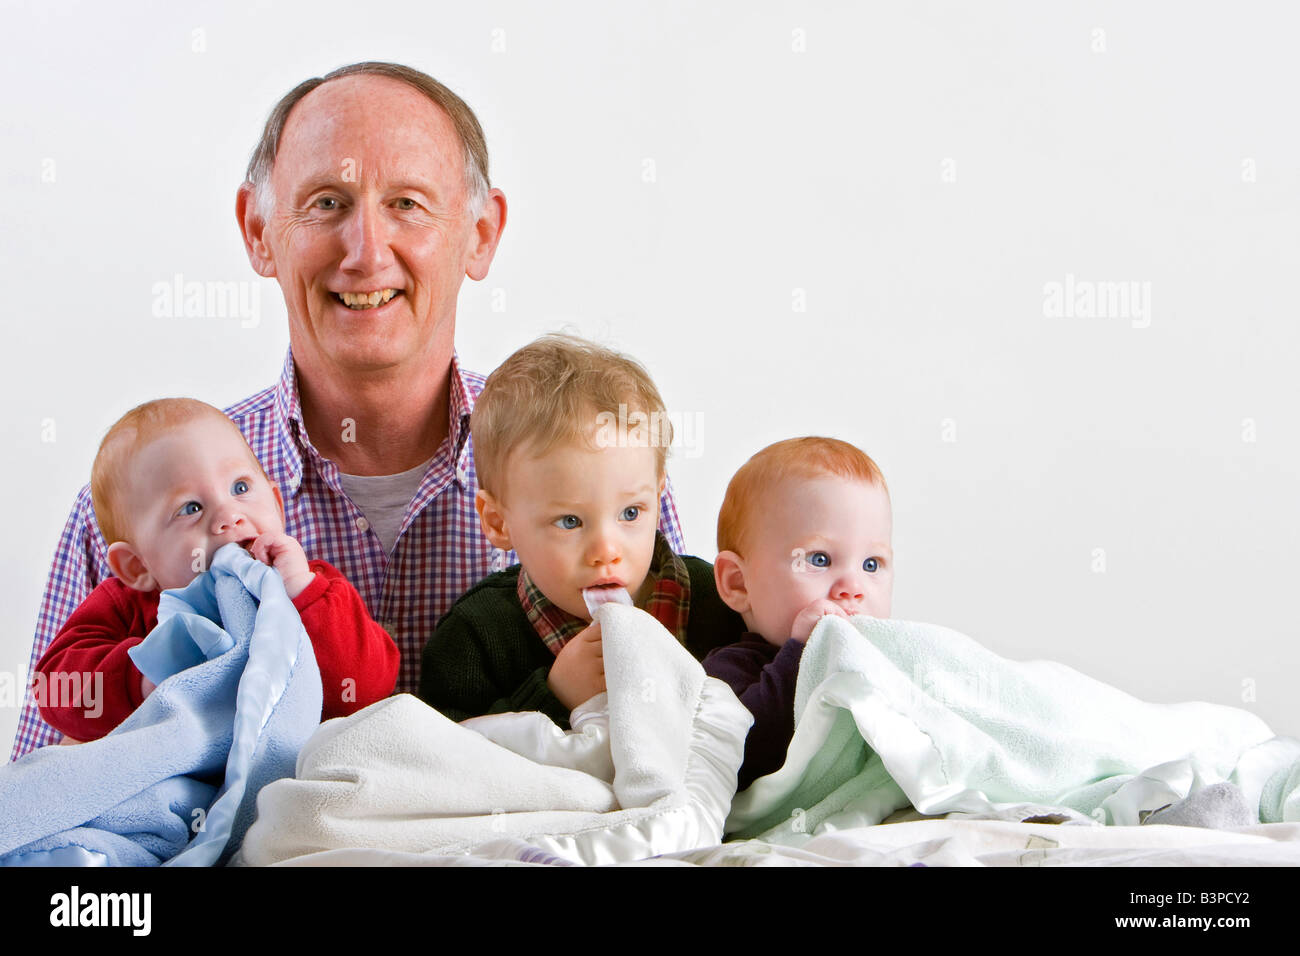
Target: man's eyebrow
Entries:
(412, 185)
(319, 181)
(336, 180)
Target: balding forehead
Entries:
(333, 104)
(369, 130)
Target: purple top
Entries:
(763, 677)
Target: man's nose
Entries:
(365, 238)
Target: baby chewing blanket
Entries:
(238, 694)
(890, 713)
(649, 767)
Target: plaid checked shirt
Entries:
(669, 602)
(440, 552)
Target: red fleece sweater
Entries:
(349, 646)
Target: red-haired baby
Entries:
(804, 531)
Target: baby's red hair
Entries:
(110, 473)
(811, 457)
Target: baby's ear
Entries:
(128, 567)
(729, 576)
(493, 520)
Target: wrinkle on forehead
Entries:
(396, 127)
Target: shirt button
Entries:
(462, 475)
(363, 524)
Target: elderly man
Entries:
(368, 200)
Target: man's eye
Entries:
(406, 203)
(190, 508)
(240, 487)
(631, 513)
(819, 559)
(327, 202)
(871, 565)
(568, 522)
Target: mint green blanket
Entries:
(891, 713)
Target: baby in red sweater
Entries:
(173, 481)
(805, 531)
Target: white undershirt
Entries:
(384, 499)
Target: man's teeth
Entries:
(366, 300)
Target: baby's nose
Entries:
(604, 548)
(223, 522)
(847, 589)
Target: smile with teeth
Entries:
(366, 300)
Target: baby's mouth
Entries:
(360, 301)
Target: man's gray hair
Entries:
(462, 118)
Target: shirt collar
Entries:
(289, 416)
(669, 602)
(294, 441)
(461, 406)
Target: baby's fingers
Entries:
(262, 547)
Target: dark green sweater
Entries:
(485, 658)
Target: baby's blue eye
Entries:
(191, 508)
(819, 559)
(568, 522)
(631, 513)
(871, 565)
(239, 488)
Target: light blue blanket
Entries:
(238, 694)
(891, 713)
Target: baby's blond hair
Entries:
(561, 389)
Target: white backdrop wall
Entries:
(875, 221)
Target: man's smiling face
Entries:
(370, 237)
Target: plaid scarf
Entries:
(669, 602)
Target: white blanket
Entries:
(649, 768)
(892, 713)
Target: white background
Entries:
(913, 174)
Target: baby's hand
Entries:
(578, 673)
(286, 555)
(807, 618)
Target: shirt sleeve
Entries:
(357, 658)
(87, 683)
(80, 563)
(455, 678)
(669, 523)
(766, 687)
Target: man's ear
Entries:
(729, 576)
(493, 520)
(253, 227)
(128, 567)
(487, 233)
